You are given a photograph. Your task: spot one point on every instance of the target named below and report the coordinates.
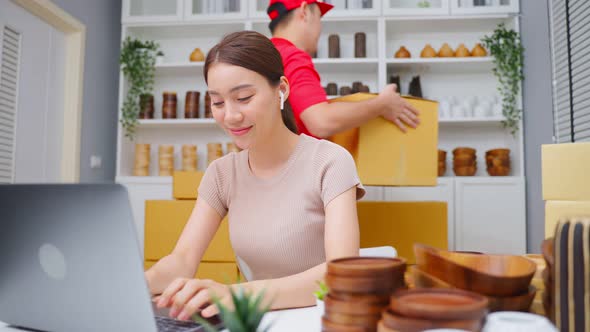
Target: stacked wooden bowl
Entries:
(189, 157)
(359, 290)
(214, 151)
(442, 162)
(423, 309)
(498, 162)
(464, 161)
(504, 279)
(142, 160)
(166, 160)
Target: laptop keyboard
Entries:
(167, 324)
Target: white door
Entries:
(31, 97)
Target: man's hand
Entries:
(398, 110)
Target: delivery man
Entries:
(295, 26)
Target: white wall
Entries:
(101, 83)
(538, 105)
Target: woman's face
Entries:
(244, 104)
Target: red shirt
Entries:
(304, 80)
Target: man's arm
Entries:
(326, 119)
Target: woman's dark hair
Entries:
(255, 52)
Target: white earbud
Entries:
(282, 94)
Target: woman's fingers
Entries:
(194, 305)
(190, 289)
(170, 291)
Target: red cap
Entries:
(279, 8)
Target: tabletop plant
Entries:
(504, 45)
(246, 315)
(138, 60)
(321, 293)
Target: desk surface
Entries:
(294, 320)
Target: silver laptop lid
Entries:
(70, 260)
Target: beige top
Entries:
(276, 224)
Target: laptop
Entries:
(70, 261)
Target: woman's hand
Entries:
(186, 297)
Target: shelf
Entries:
(178, 123)
(144, 179)
(351, 65)
(449, 17)
(344, 61)
(463, 64)
(472, 120)
(180, 68)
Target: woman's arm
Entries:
(341, 240)
(186, 295)
(190, 248)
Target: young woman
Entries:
(291, 199)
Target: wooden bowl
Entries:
(442, 170)
(497, 161)
(329, 326)
(498, 171)
(439, 304)
(405, 324)
(382, 328)
(464, 163)
(363, 285)
(425, 280)
(498, 152)
(442, 155)
(513, 303)
(547, 251)
(463, 150)
(367, 267)
(351, 308)
(464, 157)
(509, 303)
(465, 170)
(381, 300)
(493, 275)
(367, 321)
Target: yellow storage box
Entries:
(401, 224)
(186, 184)
(565, 172)
(164, 222)
(385, 156)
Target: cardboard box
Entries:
(555, 210)
(186, 184)
(385, 156)
(164, 222)
(565, 171)
(401, 224)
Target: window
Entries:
(9, 61)
(570, 48)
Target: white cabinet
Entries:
(490, 215)
(470, 7)
(198, 10)
(415, 7)
(152, 11)
(180, 26)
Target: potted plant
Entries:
(246, 315)
(504, 45)
(320, 295)
(138, 60)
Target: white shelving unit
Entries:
(476, 204)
